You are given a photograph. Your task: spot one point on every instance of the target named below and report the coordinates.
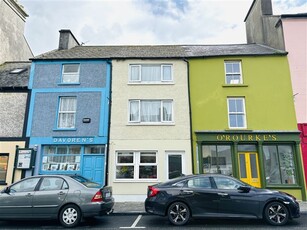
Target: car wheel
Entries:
(276, 213)
(178, 213)
(70, 216)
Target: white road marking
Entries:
(135, 223)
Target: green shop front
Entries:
(262, 159)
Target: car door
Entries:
(50, 195)
(233, 201)
(17, 200)
(202, 199)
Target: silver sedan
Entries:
(68, 198)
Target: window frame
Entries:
(64, 75)
(141, 81)
(7, 155)
(136, 165)
(162, 120)
(233, 73)
(60, 112)
(242, 113)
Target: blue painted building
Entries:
(68, 122)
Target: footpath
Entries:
(138, 207)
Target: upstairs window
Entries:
(154, 73)
(67, 112)
(151, 111)
(233, 72)
(236, 113)
(70, 73)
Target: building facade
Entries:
(150, 129)
(286, 32)
(68, 120)
(13, 45)
(14, 102)
(243, 118)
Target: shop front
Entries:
(262, 159)
(72, 155)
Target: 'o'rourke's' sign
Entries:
(246, 137)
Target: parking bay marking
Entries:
(135, 223)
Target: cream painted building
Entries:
(150, 125)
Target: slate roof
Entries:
(159, 51)
(14, 80)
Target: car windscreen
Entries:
(86, 182)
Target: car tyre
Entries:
(70, 216)
(178, 213)
(276, 213)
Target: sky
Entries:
(142, 22)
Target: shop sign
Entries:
(72, 140)
(246, 137)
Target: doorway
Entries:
(249, 168)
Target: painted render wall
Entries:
(267, 90)
(295, 35)
(161, 138)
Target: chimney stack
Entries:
(67, 40)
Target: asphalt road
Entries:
(135, 221)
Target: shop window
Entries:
(70, 73)
(95, 149)
(154, 73)
(136, 165)
(233, 72)
(61, 158)
(217, 159)
(4, 158)
(279, 164)
(67, 112)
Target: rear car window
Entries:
(86, 182)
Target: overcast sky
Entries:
(142, 22)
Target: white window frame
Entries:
(75, 75)
(66, 112)
(183, 163)
(162, 121)
(235, 81)
(136, 164)
(141, 81)
(237, 112)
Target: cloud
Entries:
(137, 22)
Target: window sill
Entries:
(150, 83)
(238, 129)
(151, 124)
(234, 85)
(56, 130)
(3, 183)
(72, 83)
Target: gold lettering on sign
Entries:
(249, 137)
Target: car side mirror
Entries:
(6, 190)
(244, 189)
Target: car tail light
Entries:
(152, 191)
(97, 197)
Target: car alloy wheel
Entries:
(178, 213)
(276, 213)
(70, 216)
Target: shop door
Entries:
(93, 168)
(249, 168)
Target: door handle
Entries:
(29, 195)
(222, 194)
(186, 192)
(61, 193)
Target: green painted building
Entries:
(242, 116)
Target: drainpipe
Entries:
(109, 125)
(190, 111)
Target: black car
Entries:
(216, 195)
